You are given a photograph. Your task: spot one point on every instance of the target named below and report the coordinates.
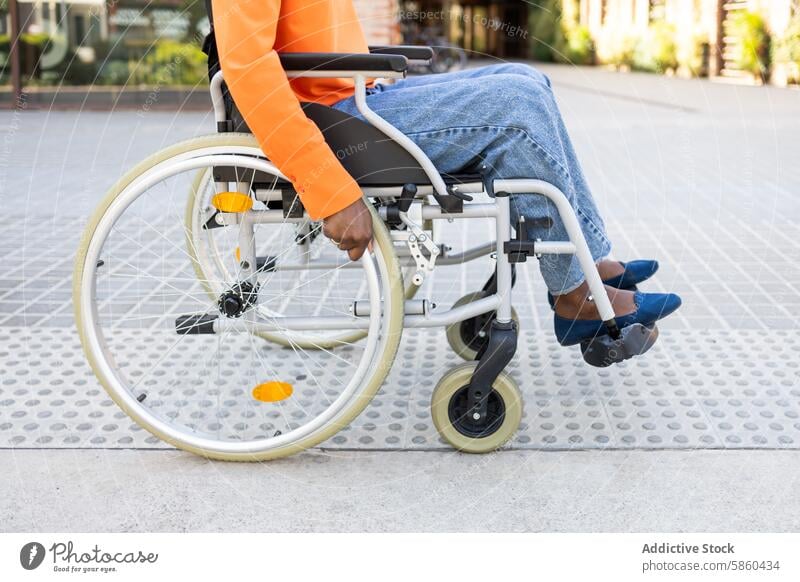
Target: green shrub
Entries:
(167, 63)
(787, 50)
(5, 45)
(577, 46)
(174, 63)
(545, 23)
(116, 72)
(30, 47)
(39, 39)
(753, 43)
(657, 50)
(622, 52)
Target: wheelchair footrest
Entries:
(604, 351)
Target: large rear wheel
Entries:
(207, 386)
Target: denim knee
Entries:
(512, 90)
(534, 102)
(538, 75)
(523, 70)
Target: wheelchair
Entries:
(218, 318)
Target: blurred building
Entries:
(379, 20)
(119, 31)
(83, 31)
(82, 22)
(483, 27)
(58, 32)
(614, 23)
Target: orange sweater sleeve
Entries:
(245, 34)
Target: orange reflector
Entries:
(272, 391)
(238, 255)
(232, 202)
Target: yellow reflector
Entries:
(232, 202)
(238, 255)
(272, 391)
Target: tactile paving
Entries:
(717, 398)
(725, 387)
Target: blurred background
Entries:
(685, 116)
(117, 51)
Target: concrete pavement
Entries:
(402, 491)
(700, 175)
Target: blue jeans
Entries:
(505, 117)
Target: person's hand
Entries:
(350, 229)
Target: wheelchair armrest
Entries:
(412, 53)
(298, 62)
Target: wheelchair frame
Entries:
(473, 386)
(502, 341)
(498, 210)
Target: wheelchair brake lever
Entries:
(407, 196)
(415, 239)
(453, 201)
(453, 191)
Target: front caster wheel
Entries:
(457, 427)
(467, 338)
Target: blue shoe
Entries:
(650, 307)
(635, 272)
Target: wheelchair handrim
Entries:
(86, 316)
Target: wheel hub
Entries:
(237, 300)
(462, 419)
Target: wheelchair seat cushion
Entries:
(370, 156)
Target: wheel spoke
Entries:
(199, 388)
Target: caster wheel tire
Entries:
(448, 408)
(467, 337)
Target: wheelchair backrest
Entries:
(371, 157)
(210, 44)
